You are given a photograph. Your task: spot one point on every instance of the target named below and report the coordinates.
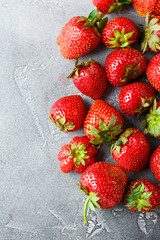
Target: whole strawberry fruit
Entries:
(123, 65)
(104, 183)
(155, 163)
(152, 120)
(77, 155)
(153, 72)
(142, 196)
(103, 123)
(90, 78)
(150, 7)
(136, 98)
(109, 6)
(68, 113)
(120, 32)
(151, 40)
(132, 150)
(81, 35)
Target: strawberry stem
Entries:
(85, 210)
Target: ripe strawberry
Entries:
(120, 32)
(151, 39)
(136, 98)
(123, 65)
(90, 78)
(155, 163)
(152, 120)
(153, 72)
(132, 150)
(81, 35)
(68, 113)
(77, 155)
(103, 123)
(104, 183)
(142, 196)
(109, 6)
(142, 7)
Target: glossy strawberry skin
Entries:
(155, 163)
(75, 41)
(92, 81)
(107, 180)
(119, 23)
(72, 108)
(104, 111)
(67, 161)
(117, 63)
(152, 7)
(134, 155)
(103, 5)
(130, 97)
(153, 72)
(153, 200)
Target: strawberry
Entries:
(120, 32)
(109, 6)
(136, 98)
(104, 183)
(142, 196)
(155, 163)
(90, 78)
(103, 123)
(81, 35)
(152, 120)
(151, 40)
(68, 113)
(153, 72)
(123, 65)
(77, 155)
(132, 150)
(142, 7)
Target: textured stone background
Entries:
(37, 201)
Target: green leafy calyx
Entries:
(92, 201)
(105, 133)
(137, 198)
(117, 5)
(152, 121)
(120, 40)
(78, 153)
(131, 73)
(150, 38)
(61, 123)
(144, 105)
(95, 20)
(80, 66)
(123, 139)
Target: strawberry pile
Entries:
(106, 184)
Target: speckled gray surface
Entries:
(37, 201)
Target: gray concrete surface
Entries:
(37, 201)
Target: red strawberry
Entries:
(120, 32)
(123, 65)
(152, 7)
(151, 39)
(77, 155)
(136, 98)
(109, 6)
(153, 72)
(155, 163)
(104, 183)
(142, 196)
(152, 120)
(103, 123)
(81, 35)
(68, 113)
(90, 78)
(132, 150)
